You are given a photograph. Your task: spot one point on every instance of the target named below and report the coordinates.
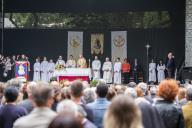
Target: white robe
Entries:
(96, 67)
(36, 71)
(117, 73)
(107, 72)
(44, 71)
(51, 68)
(60, 62)
(152, 72)
(161, 72)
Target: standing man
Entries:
(51, 68)
(44, 70)
(170, 65)
(36, 70)
(107, 71)
(117, 71)
(152, 71)
(126, 67)
(135, 70)
(8, 69)
(60, 61)
(96, 67)
(71, 62)
(81, 63)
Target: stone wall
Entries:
(188, 34)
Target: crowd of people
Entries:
(79, 105)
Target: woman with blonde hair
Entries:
(123, 113)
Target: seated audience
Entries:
(10, 111)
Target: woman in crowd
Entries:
(123, 113)
(171, 115)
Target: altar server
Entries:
(36, 70)
(107, 71)
(152, 71)
(96, 67)
(44, 70)
(81, 63)
(71, 62)
(161, 71)
(51, 68)
(117, 71)
(60, 61)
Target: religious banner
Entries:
(118, 45)
(21, 70)
(97, 42)
(75, 44)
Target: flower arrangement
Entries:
(59, 67)
(94, 83)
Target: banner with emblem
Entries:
(97, 43)
(118, 45)
(21, 70)
(75, 44)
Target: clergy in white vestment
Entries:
(36, 70)
(107, 71)
(96, 67)
(71, 62)
(152, 71)
(51, 68)
(60, 61)
(160, 71)
(44, 70)
(117, 71)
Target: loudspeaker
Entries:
(187, 73)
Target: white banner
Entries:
(118, 45)
(75, 44)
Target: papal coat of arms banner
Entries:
(118, 45)
(75, 44)
(21, 70)
(97, 42)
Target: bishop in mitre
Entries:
(107, 71)
(71, 62)
(81, 63)
(96, 67)
(117, 71)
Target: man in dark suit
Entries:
(170, 65)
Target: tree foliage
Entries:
(91, 20)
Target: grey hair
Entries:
(89, 95)
(67, 106)
(189, 93)
(130, 92)
(14, 82)
(143, 87)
